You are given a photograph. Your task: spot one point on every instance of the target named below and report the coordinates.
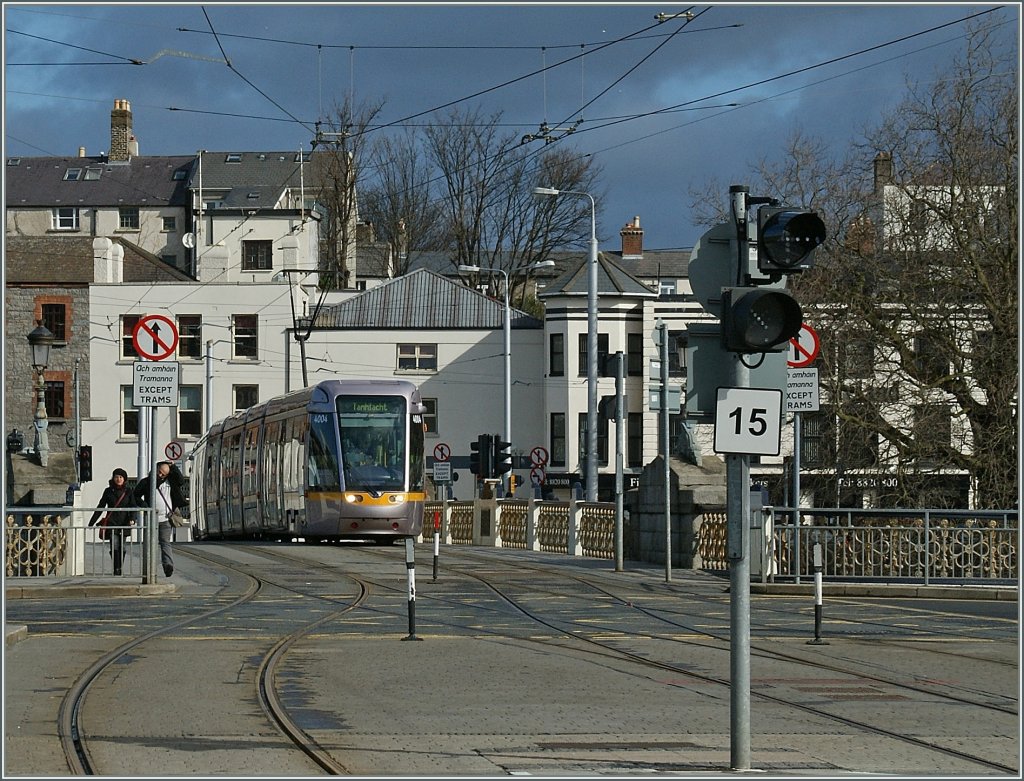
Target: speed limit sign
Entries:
(748, 421)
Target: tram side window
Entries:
(323, 453)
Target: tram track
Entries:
(75, 744)
(689, 673)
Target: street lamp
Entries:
(508, 342)
(591, 339)
(40, 340)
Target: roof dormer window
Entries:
(233, 157)
(13, 161)
(180, 174)
(72, 174)
(302, 157)
(92, 174)
(253, 196)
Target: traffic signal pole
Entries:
(738, 533)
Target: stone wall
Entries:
(695, 490)
(21, 311)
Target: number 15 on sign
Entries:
(748, 421)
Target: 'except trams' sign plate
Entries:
(155, 384)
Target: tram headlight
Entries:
(353, 498)
(397, 498)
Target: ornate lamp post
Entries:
(40, 340)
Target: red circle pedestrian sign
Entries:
(803, 348)
(155, 337)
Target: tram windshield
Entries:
(373, 442)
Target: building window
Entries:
(430, 416)
(257, 255)
(557, 439)
(129, 414)
(817, 445)
(65, 218)
(602, 440)
(635, 439)
(676, 348)
(417, 357)
(72, 174)
(190, 411)
(245, 396)
(634, 355)
(190, 336)
(128, 218)
(55, 319)
(930, 361)
(54, 396)
(128, 323)
(92, 174)
(856, 356)
(233, 157)
(170, 224)
(557, 360)
(933, 433)
(602, 354)
(245, 336)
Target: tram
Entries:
(339, 460)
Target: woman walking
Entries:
(116, 494)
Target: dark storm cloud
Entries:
(418, 57)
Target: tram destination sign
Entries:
(155, 383)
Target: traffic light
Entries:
(758, 319)
(480, 456)
(84, 463)
(502, 458)
(786, 239)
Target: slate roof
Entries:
(68, 260)
(144, 181)
(656, 264)
(421, 299)
(267, 174)
(612, 280)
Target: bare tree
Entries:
(916, 289)
(486, 187)
(336, 172)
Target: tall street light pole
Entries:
(591, 339)
(508, 345)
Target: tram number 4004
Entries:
(748, 421)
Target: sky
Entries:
(666, 106)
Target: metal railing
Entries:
(926, 546)
(58, 541)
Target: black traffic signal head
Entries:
(758, 319)
(502, 457)
(85, 463)
(480, 456)
(786, 239)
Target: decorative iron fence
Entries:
(57, 541)
(921, 545)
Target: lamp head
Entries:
(543, 264)
(40, 340)
(545, 191)
(466, 267)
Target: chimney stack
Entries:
(81, 151)
(120, 131)
(883, 170)
(632, 240)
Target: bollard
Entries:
(410, 566)
(437, 540)
(817, 597)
